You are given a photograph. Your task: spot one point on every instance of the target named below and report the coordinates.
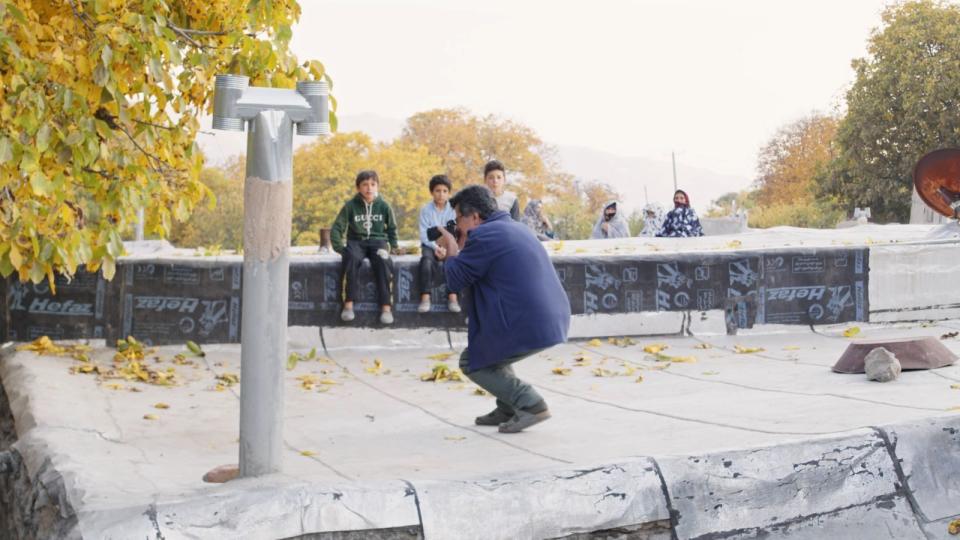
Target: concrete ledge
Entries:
(544, 505)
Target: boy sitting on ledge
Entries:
(368, 223)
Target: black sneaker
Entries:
(493, 418)
(522, 420)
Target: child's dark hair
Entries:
(367, 175)
(440, 180)
(493, 165)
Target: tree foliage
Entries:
(465, 142)
(904, 103)
(99, 107)
(220, 222)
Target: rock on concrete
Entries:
(881, 365)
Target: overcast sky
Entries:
(710, 80)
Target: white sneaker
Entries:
(424, 306)
(347, 315)
(453, 306)
(386, 317)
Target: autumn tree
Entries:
(904, 103)
(787, 167)
(219, 223)
(465, 142)
(326, 169)
(99, 109)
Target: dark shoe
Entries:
(522, 420)
(493, 418)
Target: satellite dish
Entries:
(937, 179)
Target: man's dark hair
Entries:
(440, 180)
(475, 200)
(493, 165)
(367, 175)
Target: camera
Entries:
(434, 232)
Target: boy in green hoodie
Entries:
(369, 226)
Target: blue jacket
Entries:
(516, 301)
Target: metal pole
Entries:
(267, 202)
(673, 158)
(269, 114)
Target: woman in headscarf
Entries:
(611, 224)
(682, 221)
(534, 218)
(652, 219)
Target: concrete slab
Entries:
(369, 446)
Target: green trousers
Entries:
(502, 382)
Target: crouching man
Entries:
(516, 305)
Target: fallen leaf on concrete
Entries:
(639, 378)
(600, 372)
(228, 379)
(440, 356)
(655, 348)
(711, 373)
(581, 359)
(954, 527)
(292, 360)
(703, 346)
(557, 246)
(160, 406)
(621, 342)
(949, 335)
(683, 359)
(195, 349)
(221, 474)
(852, 331)
(791, 348)
(114, 386)
(739, 349)
(561, 371)
(307, 453)
(454, 438)
(219, 387)
(594, 343)
(151, 417)
(954, 408)
(375, 368)
(43, 345)
(441, 372)
(733, 244)
(580, 250)
(181, 360)
(955, 386)
(85, 368)
(628, 370)
(660, 367)
(480, 392)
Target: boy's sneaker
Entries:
(522, 420)
(347, 315)
(493, 418)
(424, 306)
(386, 317)
(453, 306)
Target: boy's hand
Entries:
(440, 253)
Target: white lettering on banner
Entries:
(47, 306)
(796, 293)
(164, 303)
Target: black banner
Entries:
(200, 300)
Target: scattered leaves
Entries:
(441, 372)
(43, 345)
(621, 342)
(228, 379)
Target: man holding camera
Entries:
(516, 305)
